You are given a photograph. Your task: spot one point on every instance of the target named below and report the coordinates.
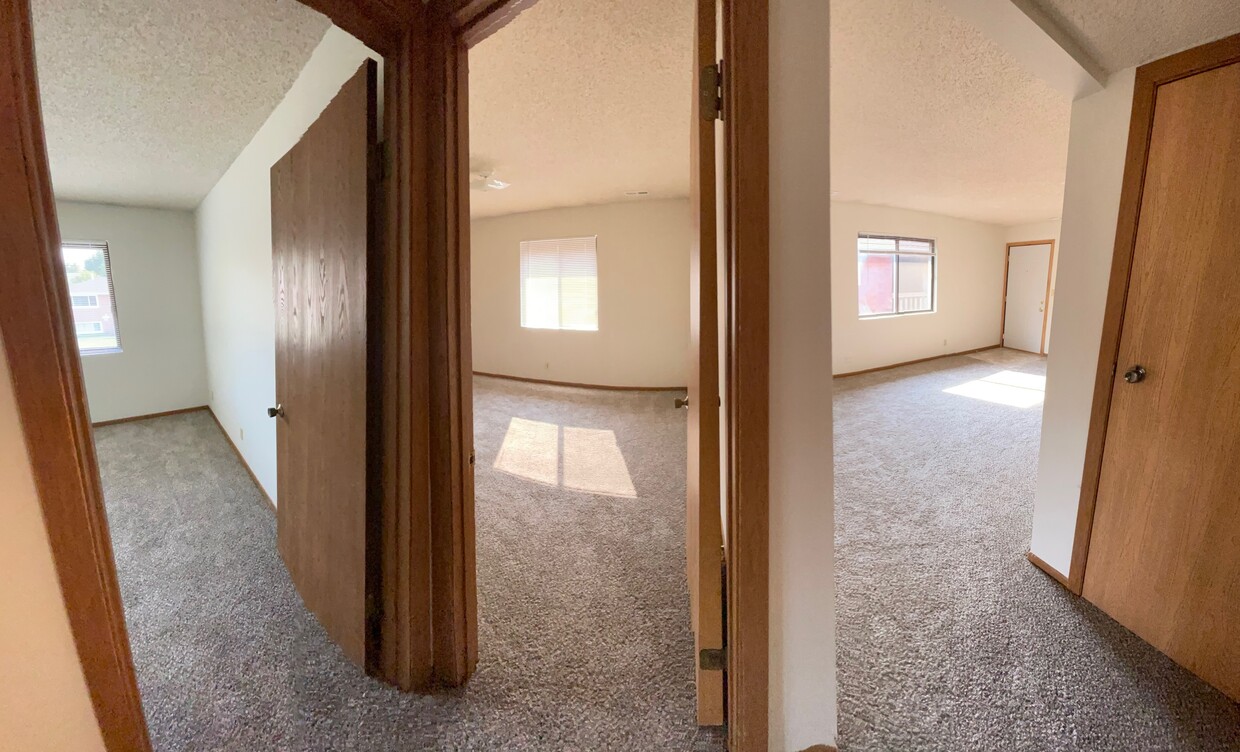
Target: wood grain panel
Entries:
(41, 349)
(1164, 555)
(321, 233)
(703, 533)
(746, 119)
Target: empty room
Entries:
(781, 375)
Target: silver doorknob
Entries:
(682, 402)
(1134, 374)
(275, 412)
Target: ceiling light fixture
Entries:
(486, 181)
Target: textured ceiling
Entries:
(577, 101)
(147, 102)
(927, 113)
(1122, 33)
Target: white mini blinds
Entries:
(559, 284)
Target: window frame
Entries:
(111, 294)
(523, 248)
(933, 255)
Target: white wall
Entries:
(1096, 147)
(969, 293)
(1046, 230)
(643, 266)
(802, 559)
(44, 703)
(162, 365)
(234, 247)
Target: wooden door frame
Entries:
(1046, 307)
(746, 126)
(421, 413)
(1149, 78)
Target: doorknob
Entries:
(275, 412)
(1134, 374)
(682, 402)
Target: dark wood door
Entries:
(1164, 554)
(704, 529)
(321, 226)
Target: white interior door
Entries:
(1029, 268)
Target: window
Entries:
(894, 275)
(89, 272)
(559, 284)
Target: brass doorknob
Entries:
(682, 402)
(1134, 374)
(275, 412)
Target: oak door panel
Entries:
(704, 534)
(1164, 555)
(321, 231)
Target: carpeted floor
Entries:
(584, 633)
(948, 638)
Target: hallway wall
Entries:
(234, 256)
(154, 260)
(44, 702)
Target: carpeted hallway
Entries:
(583, 609)
(948, 638)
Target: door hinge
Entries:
(372, 607)
(710, 92)
(713, 659)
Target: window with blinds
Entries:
(894, 275)
(88, 269)
(559, 284)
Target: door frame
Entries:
(1149, 78)
(423, 426)
(1046, 308)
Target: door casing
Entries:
(1149, 78)
(423, 427)
(1046, 310)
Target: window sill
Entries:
(881, 316)
(101, 351)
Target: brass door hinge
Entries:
(713, 659)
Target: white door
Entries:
(1028, 277)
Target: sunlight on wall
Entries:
(1010, 388)
(578, 459)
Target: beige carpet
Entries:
(583, 608)
(948, 638)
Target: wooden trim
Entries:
(820, 748)
(1046, 307)
(46, 373)
(149, 416)
(575, 385)
(747, 145)
(913, 362)
(378, 24)
(1055, 574)
(240, 458)
(1148, 78)
(475, 20)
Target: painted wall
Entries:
(1047, 230)
(802, 560)
(970, 260)
(234, 255)
(162, 365)
(1097, 144)
(643, 267)
(44, 703)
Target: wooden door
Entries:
(704, 534)
(321, 228)
(1164, 554)
(1026, 294)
